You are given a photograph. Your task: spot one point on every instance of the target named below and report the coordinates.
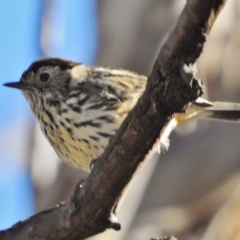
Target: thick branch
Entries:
(169, 90)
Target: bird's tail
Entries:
(201, 108)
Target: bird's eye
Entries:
(44, 77)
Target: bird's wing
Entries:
(115, 88)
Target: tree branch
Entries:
(170, 88)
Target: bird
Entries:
(80, 107)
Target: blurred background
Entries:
(191, 191)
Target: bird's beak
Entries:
(18, 85)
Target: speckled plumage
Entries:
(79, 107)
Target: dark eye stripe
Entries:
(44, 77)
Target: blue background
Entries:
(73, 34)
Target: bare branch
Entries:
(170, 87)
